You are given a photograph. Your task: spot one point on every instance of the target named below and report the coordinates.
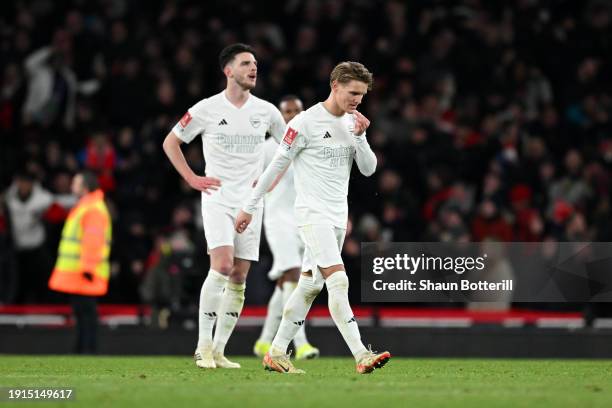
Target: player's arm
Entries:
(278, 179)
(172, 148)
(289, 147)
(364, 156)
(271, 175)
(277, 130)
(275, 182)
(186, 130)
(270, 149)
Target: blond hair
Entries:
(348, 71)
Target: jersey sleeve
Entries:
(277, 124)
(295, 138)
(192, 123)
(275, 169)
(364, 156)
(293, 142)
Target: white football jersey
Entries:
(322, 147)
(232, 140)
(280, 202)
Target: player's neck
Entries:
(332, 107)
(236, 94)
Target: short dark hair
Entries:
(290, 97)
(90, 180)
(348, 71)
(25, 175)
(228, 53)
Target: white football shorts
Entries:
(287, 249)
(323, 247)
(219, 230)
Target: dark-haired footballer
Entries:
(233, 125)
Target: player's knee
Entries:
(237, 276)
(310, 288)
(225, 267)
(337, 281)
(240, 271)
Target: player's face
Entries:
(243, 70)
(290, 109)
(349, 96)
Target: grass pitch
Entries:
(176, 382)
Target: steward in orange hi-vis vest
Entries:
(82, 266)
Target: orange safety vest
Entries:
(84, 247)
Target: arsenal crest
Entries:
(255, 121)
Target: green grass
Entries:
(175, 382)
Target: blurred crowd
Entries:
(491, 120)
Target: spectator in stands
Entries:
(171, 268)
(52, 85)
(100, 157)
(472, 100)
(27, 202)
(571, 188)
(490, 224)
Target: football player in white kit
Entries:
(285, 244)
(322, 142)
(233, 125)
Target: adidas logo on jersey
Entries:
(327, 136)
(223, 122)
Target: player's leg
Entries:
(337, 284)
(274, 314)
(340, 309)
(221, 265)
(298, 305)
(246, 249)
(230, 309)
(303, 349)
(294, 315)
(288, 251)
(220, 241)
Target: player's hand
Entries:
(242, 221)
(204, 184)
(361, 123)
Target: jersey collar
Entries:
(227, 101)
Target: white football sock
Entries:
(300, 337)
(273, 316)
(340, 310)
(295, 312)
(229, 312)
(210, 298)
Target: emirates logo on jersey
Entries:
(290, 135)
(185, 120)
